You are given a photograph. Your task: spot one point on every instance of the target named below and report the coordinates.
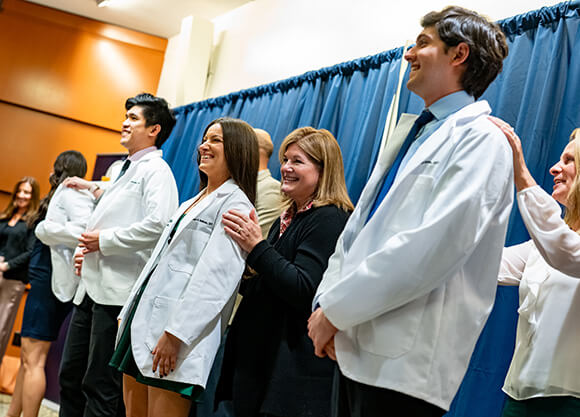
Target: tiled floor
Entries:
(45, 411)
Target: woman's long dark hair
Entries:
(241, 153)
(11, 209)
(67, 164)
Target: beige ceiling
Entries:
(156, 17)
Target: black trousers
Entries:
(353, 399)
(89, 387)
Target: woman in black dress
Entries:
(269, 365)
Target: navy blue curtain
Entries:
(535, 93)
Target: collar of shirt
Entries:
(140, 154)
(288, 215)
(265, 173)
(441, 109)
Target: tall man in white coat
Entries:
(413, 278)
(127, 221)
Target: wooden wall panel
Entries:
(30, 148)
(69, 69)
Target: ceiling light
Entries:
(103, 3)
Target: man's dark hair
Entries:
(155, 111)
(241, 153)
(486, 41)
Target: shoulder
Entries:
(328, 215)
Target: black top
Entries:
(269, 364)
(16, 243)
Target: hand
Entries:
(165, 354)
(522, 177)
(4, 266)
(330, 350)
(244, 230)
(90, 241)
(77, 183)
(321, 331)
(79, 257)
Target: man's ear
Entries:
(460, 54)
(155, 129)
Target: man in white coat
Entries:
(128, 219)
(413, 278)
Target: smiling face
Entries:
(564, 173)
(435, 73)
(212, 161)
(135, 136)
(23, 196)
(300, 175)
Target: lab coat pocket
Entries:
(160, 313)
(394, 333)
(412, 195)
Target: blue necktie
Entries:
(425, 117)
(124, 168)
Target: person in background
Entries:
(16, 242)
(60, 220)
(269, 366)
(128, 219)
(413, 278)
(172, 325)
(544, 375)
(268, 198)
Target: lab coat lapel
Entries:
(207, 203)
(386, 159)
(443, 134)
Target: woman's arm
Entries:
(296, 282)
(522, 177)
(513, 263)
(558, 244)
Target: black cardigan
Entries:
(16, 245)
(269, 363)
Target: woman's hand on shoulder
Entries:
(77, 183)
(244, 230)
(165, 354)
(522, 177)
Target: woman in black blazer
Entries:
(16, 242)
(269, 365)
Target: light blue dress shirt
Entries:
(441, 109)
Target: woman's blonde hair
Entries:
(322, 149)
(572, 216)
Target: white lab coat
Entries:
(66, 218)
(411, 290)
(191, 291)
(130, 216)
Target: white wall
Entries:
(269, 40)
(185, 66)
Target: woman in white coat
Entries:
(60, 220)
(544, 375)
(172, 324)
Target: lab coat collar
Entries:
(445, 133)
(226, 188)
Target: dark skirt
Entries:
(43, 312)
(124, 361)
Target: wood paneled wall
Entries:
(64, 80)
